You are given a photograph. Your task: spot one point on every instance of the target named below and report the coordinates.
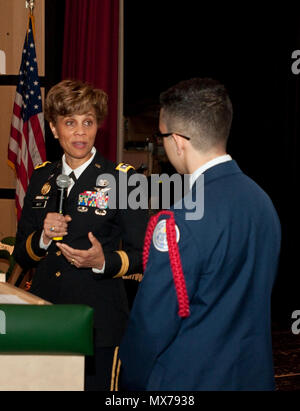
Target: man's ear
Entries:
(180, 143)
(53, 129)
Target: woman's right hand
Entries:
(55, 225)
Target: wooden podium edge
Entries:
(8, 289)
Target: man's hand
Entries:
(91, 258)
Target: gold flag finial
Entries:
(29, 4)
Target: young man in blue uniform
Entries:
(201, 317)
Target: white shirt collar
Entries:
(79, 170)
(206, 166)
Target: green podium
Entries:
(42, 346)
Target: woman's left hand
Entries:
(91, 258)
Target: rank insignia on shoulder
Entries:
(160, 236)
(124, 167)
(41, 165)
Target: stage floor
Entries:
(286, 352)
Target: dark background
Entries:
(248, 48)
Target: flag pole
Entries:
(29, 4)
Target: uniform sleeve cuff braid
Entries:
(31, 248)
(125, 264)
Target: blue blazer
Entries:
(229, 259)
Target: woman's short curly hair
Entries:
(71, 97)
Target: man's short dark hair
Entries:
(199, 108)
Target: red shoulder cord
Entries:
(175, 260)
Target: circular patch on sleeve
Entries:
(160, 236)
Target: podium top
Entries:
(9, 294)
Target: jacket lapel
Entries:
(87, 180)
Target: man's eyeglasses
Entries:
(161, 135)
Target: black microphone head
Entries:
(63, 181)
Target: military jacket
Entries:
(228, 261)
(120, 231)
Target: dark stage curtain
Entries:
(91, 54)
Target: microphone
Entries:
(63, 181)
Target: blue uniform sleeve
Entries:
(154, 319)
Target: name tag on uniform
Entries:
(40, 202)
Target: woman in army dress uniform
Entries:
(86, 265)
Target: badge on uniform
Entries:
(40, 202)
(96, 199)
(160, 236)
(82, 209)
(102, 183)
(46, 188)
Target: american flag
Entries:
(26, 146)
